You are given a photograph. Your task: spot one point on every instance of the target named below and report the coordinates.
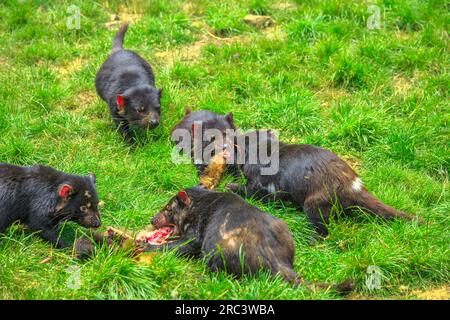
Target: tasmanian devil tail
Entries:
(118, 39)
(289, 275)
(365, 200)
(343, 288)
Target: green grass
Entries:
(376, 97)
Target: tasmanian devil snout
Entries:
(90, 220)
(159, 220)
(151, 120)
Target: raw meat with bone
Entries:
(215, 170)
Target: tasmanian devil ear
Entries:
(65, 190)
(184, 198)
(230, 119)
(92, 177)
(120, 102)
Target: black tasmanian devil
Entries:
(127, 84)
(313, 178)
(230, 234)
(196, 123)
(42, 198)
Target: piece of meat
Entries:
(214, 171)
(156, 237)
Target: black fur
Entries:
(230, 234)
(126, 74)
(208, 120)
(31, 195)
(315, 179)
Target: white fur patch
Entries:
(357, 185)
(271, 188)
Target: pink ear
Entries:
(120, 101)
(182, 195)
(65, 190)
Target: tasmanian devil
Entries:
(42, 198)
(230, 234)
(196, 125)
(127, 84)
(313, 178)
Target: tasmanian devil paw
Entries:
(345, 287)
(83, 248)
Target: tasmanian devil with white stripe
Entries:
(42, 198)
(127, 84)
(313, 178)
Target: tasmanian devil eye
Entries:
(83, 208)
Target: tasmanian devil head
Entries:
(207, 129)
(213, 130)
(174, 214)
(141, 106)
(78, 201)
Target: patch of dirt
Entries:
(275, 33)
(188, 8)
(259, 21)
(402, 85)
(403, 35)
(284, 6)
(328, 94)
(358, 296)
(3, 62)
(71, 67)
(185, 53)
(437, 293)
(125, 14)
(440, 293)
(192, 9)
(81, 99)
(354, 162)
(192, 52)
